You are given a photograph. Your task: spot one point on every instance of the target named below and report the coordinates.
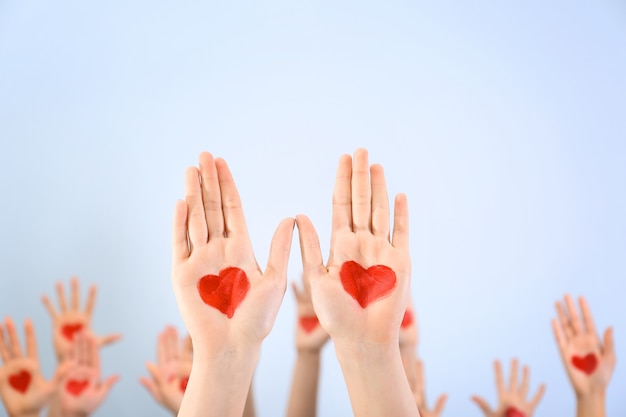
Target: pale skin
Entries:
(85, 357)
(305, 380)
(419, 391)
(515, 394)
(210, 234)
(576, 335)
(408, 349)
(365, 339)
(71, 314)
(174, 361)
(15, 361)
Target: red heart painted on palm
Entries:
(407, 320)
(309, 323)
(75, 386)
(68, 330)
(183, 383)
(20, 381)
(224, 291)
(367, 285)
(514, 412)
(586, 364)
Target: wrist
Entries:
(366, 353)
(591, 404)
(30, 414)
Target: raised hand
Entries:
(588, 361)
(23, 389)
(512, 400)
(361, 294)
(228, 304)
(310, 338)
(70, 320)
(419, 390)
(81, 390)
(169, 376)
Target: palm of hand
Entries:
(247, 325)
(371, 323)
(34, 398)
(581, 345)
(66, 325)
(86, 400)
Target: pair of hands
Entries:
(76, 388)
(229, 304)
(588, 361)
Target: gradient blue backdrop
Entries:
(504, 123)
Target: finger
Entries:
(149, 385)
(107, 384)
(380, 202)
(4, 350)
(312, 262)
(196, 222)
(173, 341)
(400, 237)
(74, 293)
(61, 297)
(568, 330)
(342, 196)
(161, 348)
(525, 382)
(91, 300)
(513, 376)
(296, 292)
(48, 304)
(109, 339)
(573, 315)
(211, 196)
(279, 251)
(62, 370)
(180, 243)
(93, 355)
(588, 319)
(608, 350)
(538, 396)
(188, 346)
(155, 373)
(482, 404)
(14, 342)
(440, 404)
(31, 341)
(419, 379)
(497, 367)
(361, 192)
(234, 220)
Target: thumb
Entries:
(280, 249)
(480, 402)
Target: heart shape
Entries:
(20, 381)
(68, 330)
(367, 285)
(513, 412)
(224, 291)
(407, 320)
(586, 364)
(183, 383)
(309, 323)
(75, 386)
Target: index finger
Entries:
(342, 198)
(234, 219)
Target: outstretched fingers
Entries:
(538, 396)
(280, 249)
(380, 202)
(31, 341)
(400, 237)
(361, 192)
(234, 219)
(440, 404)
(211, 196)
(342, 196)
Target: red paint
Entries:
(309, 323)
(407, 320)
(224, 291)
(75, 387)
(69, 330)
(367, 285)
(586, 364)
(20, 381)
(183, 383)
(513, 412)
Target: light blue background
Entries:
(505, 123)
